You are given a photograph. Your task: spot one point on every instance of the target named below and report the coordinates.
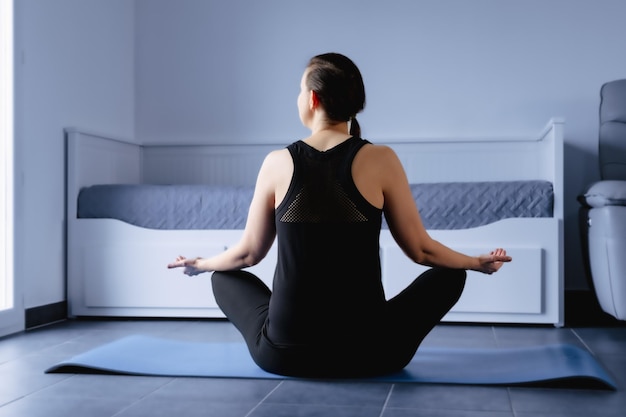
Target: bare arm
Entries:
(408, 230)
(258, 235)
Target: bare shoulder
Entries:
(275, 174)
(374, 170)
(276, 156)
(382, 157)
(277, 162)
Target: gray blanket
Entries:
(455, 205)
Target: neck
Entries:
(325, 136)
(319, 123)
(330, 129)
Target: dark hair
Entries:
(339, 86)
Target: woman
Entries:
(323, 197)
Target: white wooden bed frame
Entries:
(116, 269)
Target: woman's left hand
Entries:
(493, 262)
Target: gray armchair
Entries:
(604, 205)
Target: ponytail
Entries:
(355, 128)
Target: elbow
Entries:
(417, 246)
(419, 257)
(422, 255)
(252, 259)
(251, 262)
(416, 255)
(253, 250)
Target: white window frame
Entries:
(11, 307)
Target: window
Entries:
(8, 312)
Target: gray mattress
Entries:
(454, 205)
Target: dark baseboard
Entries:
(40, 316)
(583, 310)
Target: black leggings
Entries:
(386, 346)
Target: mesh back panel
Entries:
(316, 206)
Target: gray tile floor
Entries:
(26, 391)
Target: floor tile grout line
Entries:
(36, 391)
(591, 351)
(508, 393)
(583, 342)
(132, 403)
(495, 336)
(387, 400)
(2, 405)
(264, 398)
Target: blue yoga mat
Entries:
(143, 355)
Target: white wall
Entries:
(229, 71)
(75, 61)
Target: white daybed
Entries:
(119, 269)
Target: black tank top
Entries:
(327, 282)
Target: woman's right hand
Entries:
(191, 265)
